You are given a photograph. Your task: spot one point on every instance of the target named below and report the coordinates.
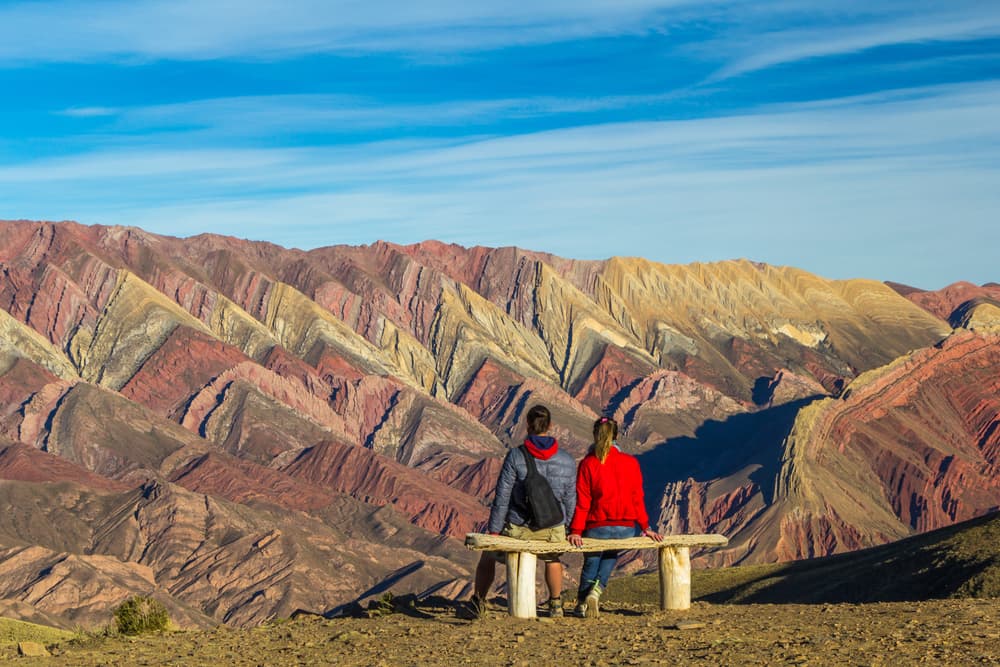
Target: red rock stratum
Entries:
(245, 430)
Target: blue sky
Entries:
(851, 139)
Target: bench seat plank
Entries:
(486, 542)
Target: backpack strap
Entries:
(529, 461)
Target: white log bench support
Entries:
(674, 564)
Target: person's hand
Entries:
(653, 535)
(575, 540)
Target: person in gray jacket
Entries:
(510, 515)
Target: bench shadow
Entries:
(369, 603)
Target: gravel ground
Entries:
(939, 632)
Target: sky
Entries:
(850, 139)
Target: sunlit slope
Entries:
(730, 321)
(17, 340)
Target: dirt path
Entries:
(946, 632)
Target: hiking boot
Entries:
(591, 602)
(580, 611)
(555, 608)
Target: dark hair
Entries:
(605, 434)
(538, 420)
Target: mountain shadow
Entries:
(720, 449)
(963, 313)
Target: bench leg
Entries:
(521, 568)
(675, 578)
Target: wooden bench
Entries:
(674, 564)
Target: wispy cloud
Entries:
(747, 36)
(768, 46)
(954, 121)
(252, 116)
(205, 29)
(88, 112)
(892, 124)
(855, 175)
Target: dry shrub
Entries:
(141, 614)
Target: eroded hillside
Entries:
(251, 430)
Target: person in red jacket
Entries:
(609, 504)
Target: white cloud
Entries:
(852, 187)
(946, 120)
(747, 36)
(88, 112)
(206, 29)
(769, 47)
(254, 116)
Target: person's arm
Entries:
(568, 499)
(501, 499)
(583, 499)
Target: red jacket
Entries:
(609, 493)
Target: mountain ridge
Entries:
(392, 379)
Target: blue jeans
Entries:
(597, 567)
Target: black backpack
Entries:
(544, 508)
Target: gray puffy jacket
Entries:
(510, 502)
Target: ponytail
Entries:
(605, 434)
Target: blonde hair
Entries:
(605, 434)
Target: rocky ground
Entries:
(939, 632)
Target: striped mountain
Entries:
(245, 430)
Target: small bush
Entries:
(141, 614)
